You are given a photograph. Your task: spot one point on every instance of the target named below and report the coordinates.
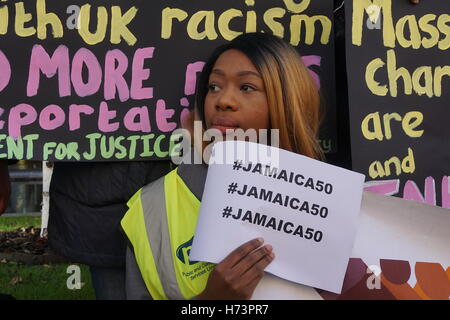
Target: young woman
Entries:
(256, 81)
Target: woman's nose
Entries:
(227, 100)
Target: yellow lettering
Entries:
(373, 85)
(21, 18)
(427, 74)
(444, 44)
(387, 123)
(296, 28)
(119, 24)
(251, 22)
(44, 18)
(359, 9)
(410, 122)
(196, 20)
(439, 73)
(394, 74)
(377, 131)
(425, 26)
(408, 163)
(376, 170)
(84, 20)
(292, 6)
(397, 166)
(275, 26)
(414, 32)
(4, 19)
(224, 23)
(372, 129)
(168, 14)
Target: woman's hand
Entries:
(237, 276)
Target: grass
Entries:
(40, 282)
(12, 223)
(46, 282)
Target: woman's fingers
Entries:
(241, 252)
(255, 274)
(239, 273)
(252, 259)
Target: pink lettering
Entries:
(58, 63)
(85, 57)
(2, 123)
(184, 102)
(412, 192)
(5, 75)
(116, 64)
(143, 124)
(104, 117)
(51, 117)
(191, 76)
(313, 61)
(16, 121)
(140, 74)
(445, 192)
(386, 187)
(75, 111)
(162, 114)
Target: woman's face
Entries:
(236, 96)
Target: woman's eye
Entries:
(213, 87)
(247, 88)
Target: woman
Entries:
(257, 81)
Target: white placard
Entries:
(306, 209)
(396, 229)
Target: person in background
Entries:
(87, 202)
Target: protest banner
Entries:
(306, 209)
(398, 75)
(110, 80)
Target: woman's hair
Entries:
(292, 95)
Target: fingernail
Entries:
(269, 247)
(272, 255)
(260, 240)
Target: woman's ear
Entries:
(414, 1)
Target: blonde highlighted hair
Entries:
(292, 95)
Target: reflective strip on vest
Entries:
(167, 225)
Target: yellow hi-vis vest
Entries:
(160, 225)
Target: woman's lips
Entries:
(224, 124)
(223, 129)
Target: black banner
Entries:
(398, 66)
(110, 80)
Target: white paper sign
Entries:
(306, 209)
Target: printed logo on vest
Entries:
(183, 252)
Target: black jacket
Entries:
(87, 202)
